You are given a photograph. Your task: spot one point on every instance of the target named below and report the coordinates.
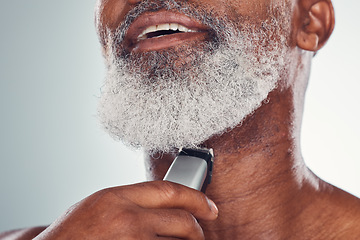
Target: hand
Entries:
(151, 210)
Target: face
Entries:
(180, 72)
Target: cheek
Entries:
(239, 11)
(112, 13)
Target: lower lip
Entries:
(163, 42)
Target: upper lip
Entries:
(149, 19)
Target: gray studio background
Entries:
(53, 151)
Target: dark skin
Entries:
(261, 185)
(268, 192)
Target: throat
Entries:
(253, 199)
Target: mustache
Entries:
(192, 10)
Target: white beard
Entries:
(183, 109)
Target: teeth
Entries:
(150, 29)
(174, 26)
(162, 27)
(182, 28)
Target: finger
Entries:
(163, 194)
(175, 223)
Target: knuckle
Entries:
(169, 191)
(130, 223)
(128, 217)
(134, 224)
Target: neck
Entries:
(260, 182)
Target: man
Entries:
(221, 74)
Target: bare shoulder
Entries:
(345, 213)
(352, 219)
(331, 213)
(22, 234)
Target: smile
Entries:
(159, 30)
(163, 30)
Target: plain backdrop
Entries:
(53, 151)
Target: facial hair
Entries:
(159, 101)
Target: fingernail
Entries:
(213, 207)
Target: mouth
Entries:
(160, 30)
